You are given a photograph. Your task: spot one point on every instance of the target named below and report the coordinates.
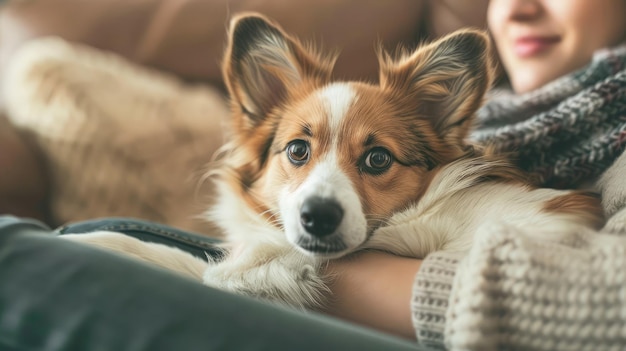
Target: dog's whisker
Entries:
(273, 219)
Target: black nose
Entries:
(320, 217)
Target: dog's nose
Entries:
(320, 217)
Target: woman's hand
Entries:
(374, 289)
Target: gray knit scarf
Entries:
(568, 131)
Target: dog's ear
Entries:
(263, 64)
(445, 80)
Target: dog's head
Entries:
(331, 161)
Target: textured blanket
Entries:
(117, 139)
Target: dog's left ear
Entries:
(445, 80)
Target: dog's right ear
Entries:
(262, 65)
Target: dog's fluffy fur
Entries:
(318, 169)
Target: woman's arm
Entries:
(374, 288)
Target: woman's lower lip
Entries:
(531, 47)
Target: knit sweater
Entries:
(515, 290)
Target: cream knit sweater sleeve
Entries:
(519, 291)
(514, 291)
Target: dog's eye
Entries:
(298, 152)
(377, 161)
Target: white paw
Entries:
(300, 287)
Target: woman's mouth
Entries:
(533, 45)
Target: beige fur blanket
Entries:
(118, 139)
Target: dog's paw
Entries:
(300, 286)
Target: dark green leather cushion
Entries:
(61, 295)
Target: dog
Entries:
(317, 169)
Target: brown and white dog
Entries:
(318, 169)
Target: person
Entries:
(512, 290)
(566, 65)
